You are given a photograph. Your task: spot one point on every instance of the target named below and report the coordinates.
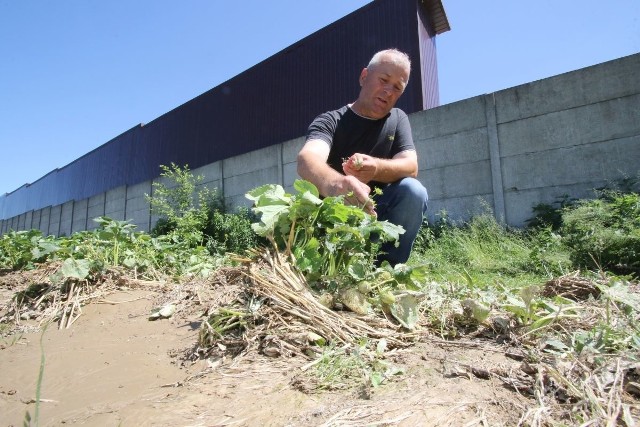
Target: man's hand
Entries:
(312, 166)
(356, 193)
(361, 166)
(367, 168)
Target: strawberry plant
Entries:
(334, 245)
(326, 238)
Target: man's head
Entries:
(382, 82)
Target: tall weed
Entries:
(483, 251)
(182, 207)
(604, 233)
(231, 231)
(195, 215)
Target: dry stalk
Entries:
(571, 286)
(289, 292)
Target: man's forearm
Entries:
(391, 170)
(319, 174)
(366, 168)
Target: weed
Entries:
(182, 205)
(28, 422)
(339, 368)
(604, 233)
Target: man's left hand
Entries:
(361, 166)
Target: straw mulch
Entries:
(273, 310)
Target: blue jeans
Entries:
(404, 203)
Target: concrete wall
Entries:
(506, 151)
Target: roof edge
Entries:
(436, 15)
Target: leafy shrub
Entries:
(550, 215)
(429, 233)
(16, 248)
(230, 232)
(548, 255)
(604, 233)
(182, 207)
(198, 216)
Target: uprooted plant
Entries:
(334, 245)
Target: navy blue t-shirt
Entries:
(347, 133)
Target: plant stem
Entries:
(40, 376)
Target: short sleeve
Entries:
(323, 127)
(403, 140)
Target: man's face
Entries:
(381, 86)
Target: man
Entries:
(369, 144)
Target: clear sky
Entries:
(76, 73)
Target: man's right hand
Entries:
(356, 193)
(312, 166)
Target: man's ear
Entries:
(363, 76)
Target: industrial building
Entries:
(272, 102)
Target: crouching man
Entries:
(368, 144)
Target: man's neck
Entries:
(354, 107)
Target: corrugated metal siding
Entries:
(272, 102)
(428, 61)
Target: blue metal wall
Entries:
(272, 102)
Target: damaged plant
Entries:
(334, 245)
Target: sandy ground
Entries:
(115, 367)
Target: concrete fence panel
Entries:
(54, 220)
(36, 216)
(137, 208)
(45, 220)
(66, 218)
(80, 222)
(290, 151)
(115, 203)
(95, 209)
(248, 171)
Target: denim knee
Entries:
(403, 198)
(402, 203)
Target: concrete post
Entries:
(494, 157)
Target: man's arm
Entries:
(367, 168)
(313, 167)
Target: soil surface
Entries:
(114, 366)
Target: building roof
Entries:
(437, 15)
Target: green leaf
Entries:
(376, 379)
(304, 207)
(391, 230)
(75, 268)
(339, 212)
(528, 293)
(309, 259)
(478, 310)
(405, 310)
(556, 345)
(619, 292)
(44, 248)
(357, 271)
(381, 347)
(270, 215)
(303, 186)
(268, 194)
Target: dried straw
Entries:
(288, 292)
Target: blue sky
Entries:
(76, 73)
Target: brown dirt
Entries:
(114, 366)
